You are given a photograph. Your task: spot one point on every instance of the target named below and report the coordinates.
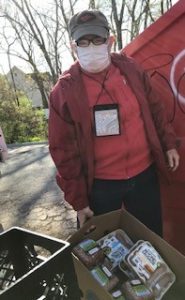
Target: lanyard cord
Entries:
(102, 87)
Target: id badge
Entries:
(106, 119)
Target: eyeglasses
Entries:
(96, 41)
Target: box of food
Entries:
(99, 281)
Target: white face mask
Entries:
(93, 58)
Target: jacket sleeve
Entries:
(63, 146)
(164, 128)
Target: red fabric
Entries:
(70, 130)
(126, 155)
(160, 52)
(159, 49)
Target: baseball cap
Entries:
(88, 22)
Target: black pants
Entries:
(140, 196)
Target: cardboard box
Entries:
(136, 230)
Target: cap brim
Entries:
(90, 29)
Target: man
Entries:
(108, 132)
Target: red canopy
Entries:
(160, 49)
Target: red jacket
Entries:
(70, 130)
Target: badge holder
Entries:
(106, 120)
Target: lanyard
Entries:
(106, 116)
(102, 84)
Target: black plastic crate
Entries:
(35, 266)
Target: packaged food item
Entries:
(124, 238)
(118, 295)
(115, 246)
(135, 290)
(126, 271)
(105, 277)
(89, 252)
(151, 269)
(139, 242)
(161, 283)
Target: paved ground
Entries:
(29, 196)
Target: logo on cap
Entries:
(86, 17)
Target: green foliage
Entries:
(20, 123)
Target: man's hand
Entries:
(173, 159)
(84, 214)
